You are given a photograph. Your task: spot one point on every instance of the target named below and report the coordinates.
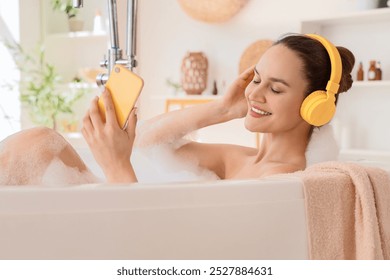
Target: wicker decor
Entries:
(212, 11)
(252, 54)
(194, 73)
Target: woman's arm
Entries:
(174, 125)
(111, 146)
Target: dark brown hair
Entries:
(316, 62)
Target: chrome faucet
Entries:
(77, 3)
(114, 55)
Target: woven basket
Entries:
(214, 11)
(252, 54)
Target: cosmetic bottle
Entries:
(378, 71)
(372, 71)
(215, 89)
(360, 72)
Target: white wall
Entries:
(166, 33)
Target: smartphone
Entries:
(125, 87)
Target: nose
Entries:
(257, 93)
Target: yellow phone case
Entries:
(125, 87)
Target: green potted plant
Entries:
(41, 88)
(66, 7)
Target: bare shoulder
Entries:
(219, 150)
(216, 157)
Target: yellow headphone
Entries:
(319, 106)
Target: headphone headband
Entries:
(335, 62)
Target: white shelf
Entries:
(362, 17)
(82, 85)
(78, 35)
(365, 155)
(371, 84)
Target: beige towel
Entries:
(348, 211)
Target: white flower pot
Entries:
(367, 4)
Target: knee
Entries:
(56, 146)
(40, 142)
(25, 155)
(41, 134)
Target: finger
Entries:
(246, 77)
(85, 134)
(94, 114)
(248, 73)
(87, 126)
(132, 122)
(110, 110)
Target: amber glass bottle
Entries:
(360, 72)
(378, 71)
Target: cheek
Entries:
(291, 108)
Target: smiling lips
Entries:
(259, 113)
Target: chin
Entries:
(253, 127)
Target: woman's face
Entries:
(276, 92)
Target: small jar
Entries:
(372, 71)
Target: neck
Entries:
(285, 147)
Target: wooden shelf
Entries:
(186, 97)
(188, 100)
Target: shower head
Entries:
(78, 3)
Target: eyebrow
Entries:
(274, 79)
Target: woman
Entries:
(269, 96)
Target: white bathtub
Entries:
(231, 219)
(252, 219)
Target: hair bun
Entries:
(348, 61)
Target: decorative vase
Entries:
(194, 73)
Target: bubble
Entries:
(160, 164)
(57, 173)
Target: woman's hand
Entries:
(234, 99)
(110, 145)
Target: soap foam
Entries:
(322, 146)
(57, 173)
(160, 164)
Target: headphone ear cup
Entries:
(318, 109)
